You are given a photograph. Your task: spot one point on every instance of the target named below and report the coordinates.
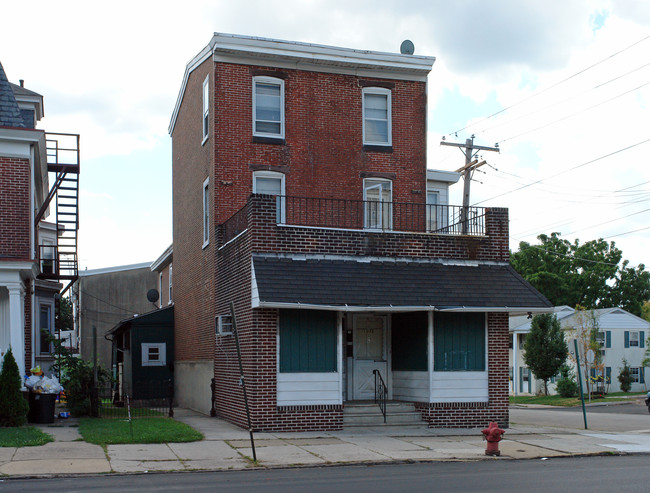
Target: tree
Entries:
(585, 330)
(545, 347)
(64, 316)
(566, 384)
(625, 376)
(585, 274)
(13, 407)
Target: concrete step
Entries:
(369, 414)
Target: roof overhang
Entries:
(231, 48)
(444, 176)
(164, 260)
(390, 285)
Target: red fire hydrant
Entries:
(493, 435)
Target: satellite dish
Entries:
(152, 295)
(407, 47)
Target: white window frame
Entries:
(223, 325)
(433, 211)
(160, 286)
(205, 196)
(635, 342)
(601, 338)
(384, 92)
(162, 353)
(273, 81)
(389, 204)
(169, 301)
(635, 373)
(205, 121)
(274, 175)
(50, 306)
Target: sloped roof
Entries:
(356, 284)
(10, 115)
(606, 318)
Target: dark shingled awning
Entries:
(391, 285)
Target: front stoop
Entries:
(368, 414)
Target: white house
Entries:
(621, 336)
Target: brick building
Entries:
(35, 255)
(301, 195)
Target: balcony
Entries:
(367, 215)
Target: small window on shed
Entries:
(154, 354)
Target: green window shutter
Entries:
(641, 339)
(641, 376)
(608, 338)
(459, 342)
(608, 374)
(521, 379)
(627, 338)
(308, 341)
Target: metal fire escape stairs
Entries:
(59, 262)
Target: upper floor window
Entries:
(206, 108)
(634, 338)
(432, 210)
(160, 289)
(169, 301)
(206, 212)
(377, 116)
(268, 107)
(271, 183)
(377, 196)
(46, 326)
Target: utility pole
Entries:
(469, 150)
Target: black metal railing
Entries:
(142, 399)
(236, 224)
(381, 215)
(381, 392)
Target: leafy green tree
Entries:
(64, 316)
(566, 384)
(13, 407)
(625, 377)
(545, 348)
(588, 274)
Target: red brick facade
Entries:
(15, 205)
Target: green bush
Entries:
(566, 385)
(13, 406)
(625, 376)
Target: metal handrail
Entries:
(381, 392)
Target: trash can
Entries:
(41, 408)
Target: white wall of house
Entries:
(411, 386)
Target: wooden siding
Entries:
(305, 389)
(411, 386)
(459, 386)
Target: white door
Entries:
(369, 354)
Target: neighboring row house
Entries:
(620, 335)
(38, 259)
(301, 195)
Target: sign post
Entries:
(582, 395)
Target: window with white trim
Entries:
(634, 339)
(271, 183)
(378, 205)
(432, 210)
(46, 327)
(160, 289)
(268, 107)
(206, 108)
(154, 354)
(223, 325)
(377, 124)
(206, 212)
(169, 301)
(635, 373)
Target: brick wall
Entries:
(193, 275)
(14, 207)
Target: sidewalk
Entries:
(228, 447)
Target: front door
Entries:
(369, 354)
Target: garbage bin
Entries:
(41, 408)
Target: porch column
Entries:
(17, 324)
(339, 352)
(514, 362)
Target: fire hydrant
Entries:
(493, 435)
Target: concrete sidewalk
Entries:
(228, 447)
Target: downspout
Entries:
(514, 362)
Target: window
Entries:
(377, 116)
(160, 289)
(377, 196)
(206, 212)
(268, 107)
(432, 211)
(154, 354)
(271, 183)
(308, 341)
(522, 340)
(169, 302)
(45, 327)
(459, 342)
(206, 108)
(223, 324)
(634, 339)
(604, 338)
(48, 251)
(635, 373)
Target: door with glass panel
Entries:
(370, 354)
(378, 206)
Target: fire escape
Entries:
(59, 262)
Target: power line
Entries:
(592, 161)
(565, 254)
(627, 232)
(550, 87)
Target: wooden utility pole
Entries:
(469, 150)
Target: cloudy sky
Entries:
(562, 86)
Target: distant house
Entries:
(621, 335)
(104, 297)
(302, 196)
(38, 259)
(162, 266)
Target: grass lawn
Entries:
(142, 430)
(556, 400)
(23, 436)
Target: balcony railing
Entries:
(369, 215)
